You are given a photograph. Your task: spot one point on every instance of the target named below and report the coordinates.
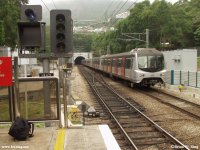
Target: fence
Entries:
(188, 78)
(34, 102)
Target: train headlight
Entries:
(141, 75)
(162, 74)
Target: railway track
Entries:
(184, 106)
(104, 118)
(139, 130)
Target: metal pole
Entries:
(147, 38)
(26, 100)
(65, 104)
(16, 90)
(46, 86)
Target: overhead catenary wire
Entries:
(45, 5)
(116, 8)
(132, 5)
(106, 10)
(54, 4)
(125, 10)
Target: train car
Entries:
(143, 66)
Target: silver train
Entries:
(142, 66)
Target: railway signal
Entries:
(30, 30)
(61, 31)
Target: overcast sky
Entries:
(35, 2)
(52, 4)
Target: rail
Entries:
(113, 104)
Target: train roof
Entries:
(139, 51)
(148, 51)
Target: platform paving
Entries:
(95, 137)
(44, 139)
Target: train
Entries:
(140, 66)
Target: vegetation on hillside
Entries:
(177, 24)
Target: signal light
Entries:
(30, 14)
(61, 31)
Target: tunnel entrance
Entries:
(78, 60)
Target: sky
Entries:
(38, 2)
(52, 4)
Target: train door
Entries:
(134, 67)
(101, 64)
(119, 65)
(115, 66)
(123, 66)
(128, 67)
(109, 65)
(104, 64)
(98, 63)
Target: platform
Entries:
(96, 137)
(44, 139)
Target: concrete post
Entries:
(147, 38)
(16, 90)
(46, 86)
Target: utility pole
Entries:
(147, 38)
(136, 37)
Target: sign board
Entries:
(74, 115)
(5, 71)
(46, 74)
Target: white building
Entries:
(184, 60)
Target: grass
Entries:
(35, 109)
(198, 63)
(4, 110)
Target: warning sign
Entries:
(5, 71)
(74, 115)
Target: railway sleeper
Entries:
(131, 120)
(122, 113)
(132, 125)
(139, 135)
(139, 129)
(150, 141)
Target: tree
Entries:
(9, 15)
(83, 42)
(177, 24)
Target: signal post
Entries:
(31, 34)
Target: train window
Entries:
(160, 62)
(109, 62)
(119, 64)
(105, 62)
(102, 62)
(151, 63)
(128, 64)
(113, 62)
(142, 62)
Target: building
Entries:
(184, 60)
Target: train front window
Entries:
(151, 63)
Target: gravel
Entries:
(183, 127)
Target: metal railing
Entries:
(37, 100)
(187, 78)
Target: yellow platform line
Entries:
(60, 140)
